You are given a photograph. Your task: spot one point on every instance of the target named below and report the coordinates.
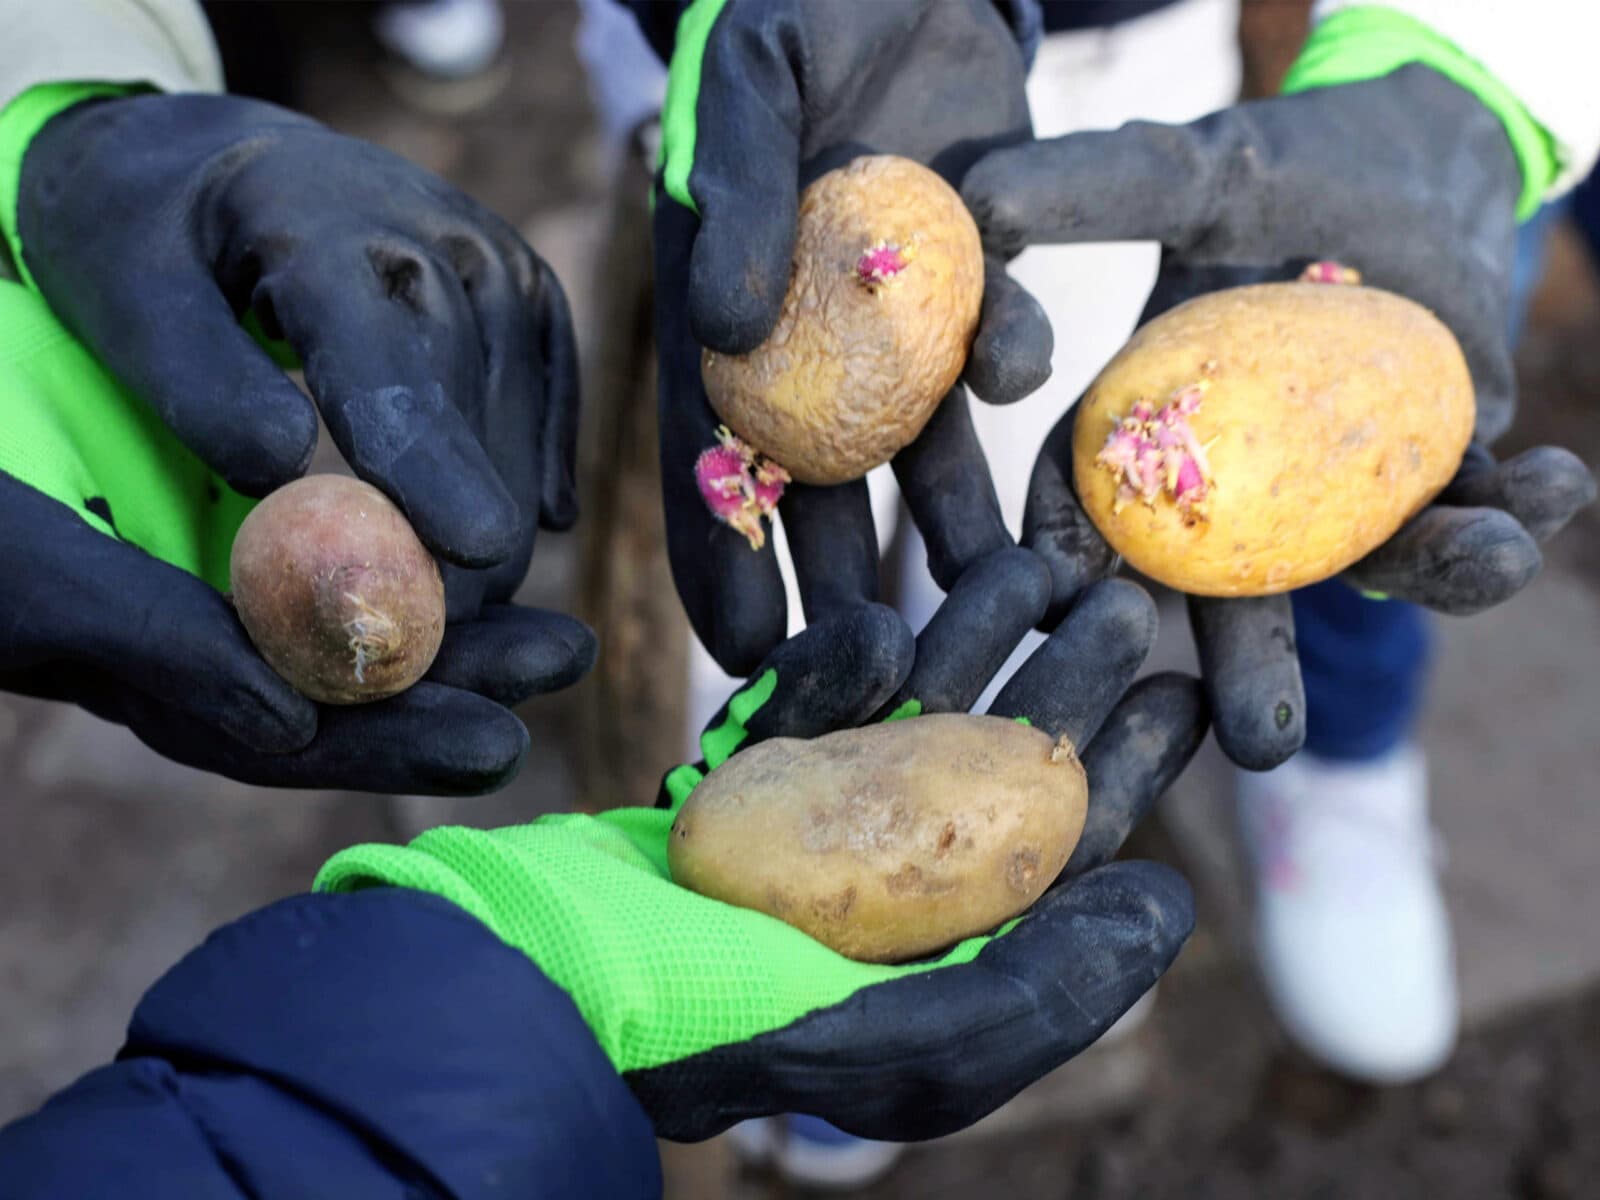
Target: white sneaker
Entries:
(809, 1151)
(446, 39)
(1351, 932)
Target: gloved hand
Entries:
(714, 1013)
(436, 343)
(1408, 178)
(116, 541)
(763, 98)
(143, 221)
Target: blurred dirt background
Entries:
(113, 862)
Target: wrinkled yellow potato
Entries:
(1326, 417)
(880, 312)
(888, 842)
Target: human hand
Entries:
(149, 459)
(713, 1013)
(1409, 179)
(764, 98)
(437, 345)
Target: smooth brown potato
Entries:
(855, 367)
(888, 842)
(1332, 415)
(336, 591)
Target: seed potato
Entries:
(891, 841)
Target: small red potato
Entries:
(336, 591)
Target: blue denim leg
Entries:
(1533, 238)
(1584, 204)
(1365, 669)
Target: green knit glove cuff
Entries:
(20, 122)
(1371, 41)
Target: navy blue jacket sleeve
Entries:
(383, 1045)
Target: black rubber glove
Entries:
(909, 1056)
(95, 621)
(1410, 180)
(784, 91)
(437, 344)
(441, 355)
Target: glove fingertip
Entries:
(558, 660)
(282, 440)
(558, 506)
(1250, 666)
(469, 518)
(1562, 486)
(1017, 576)
(1164, 886)
(1457, 561)
(1574, 477)
(1010, 357)
(858, 655)
(268, 715)
(483, 755)
(885, 648)
(991, 195)
(1129, 612)
(585, 645)
(1507, 565)
(738, 275)
(1258, 733)
(509, 654)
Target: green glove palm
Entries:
(715, 1013)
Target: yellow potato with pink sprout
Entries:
(1263, 438)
